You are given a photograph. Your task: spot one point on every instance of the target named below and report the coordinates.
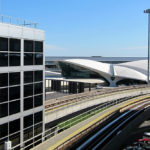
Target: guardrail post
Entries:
(56, 131)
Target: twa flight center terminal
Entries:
(128, 73)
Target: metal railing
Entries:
(17, 21)
(49, 133)
(87, 96)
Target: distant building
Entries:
(21, 84)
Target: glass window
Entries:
(2, 141)
(3, 130)
(28, 133)
(15, 139)
(38, 140)
(3, 79)
(3, 59)
(28, 59)
(38, 46)
(3, 44)
(14, 126)
(14, 107)
(28, 90)
(14, 45)
(38, 59)
(38, 88)
(29, 143)
(3, 110)
(4, 95)
(14, 78)
(14, 93)
(38, 100)
(28, 76)
(38, 76)
(28, 121)
(38, 129)
(14, 59)
(38, 117)
(28, 103)
(28, 46)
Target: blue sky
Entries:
(87, 27)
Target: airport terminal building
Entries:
(50, 61)
(22, 96)
(134, 72)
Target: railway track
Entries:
(70, 140)
(82, 96)
(105, 134)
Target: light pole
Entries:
(148, 69)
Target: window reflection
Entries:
(38, 76)
(38, 88)
(3, 110)
(38, 59)
(28, 59)
(28, 90)
(14, 59)
(3, 130)
(3, 44)
(14, 93)
(38, 46)
(3, 79)
(28, 46)
(28, 76)
(14, 78)
(38, 100)
(4, 95)
(12, 105)
(28, 103)
(14, 45)
(3, 59)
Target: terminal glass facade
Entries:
(74, 71)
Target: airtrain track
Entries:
(66, 100)
(103, 134)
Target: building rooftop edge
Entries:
(17, 21)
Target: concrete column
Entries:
(89, 86)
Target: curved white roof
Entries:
(136, 70)
(140, 66)
(128, 73)
(90, 64)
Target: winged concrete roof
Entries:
(136, 70)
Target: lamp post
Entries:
(148, 69)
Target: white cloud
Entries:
(50, 47)
(135, 48)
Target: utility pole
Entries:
(148, 69)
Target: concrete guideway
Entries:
(66, 135)
(65, 110)
(93, 93)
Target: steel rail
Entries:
(98, 140)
